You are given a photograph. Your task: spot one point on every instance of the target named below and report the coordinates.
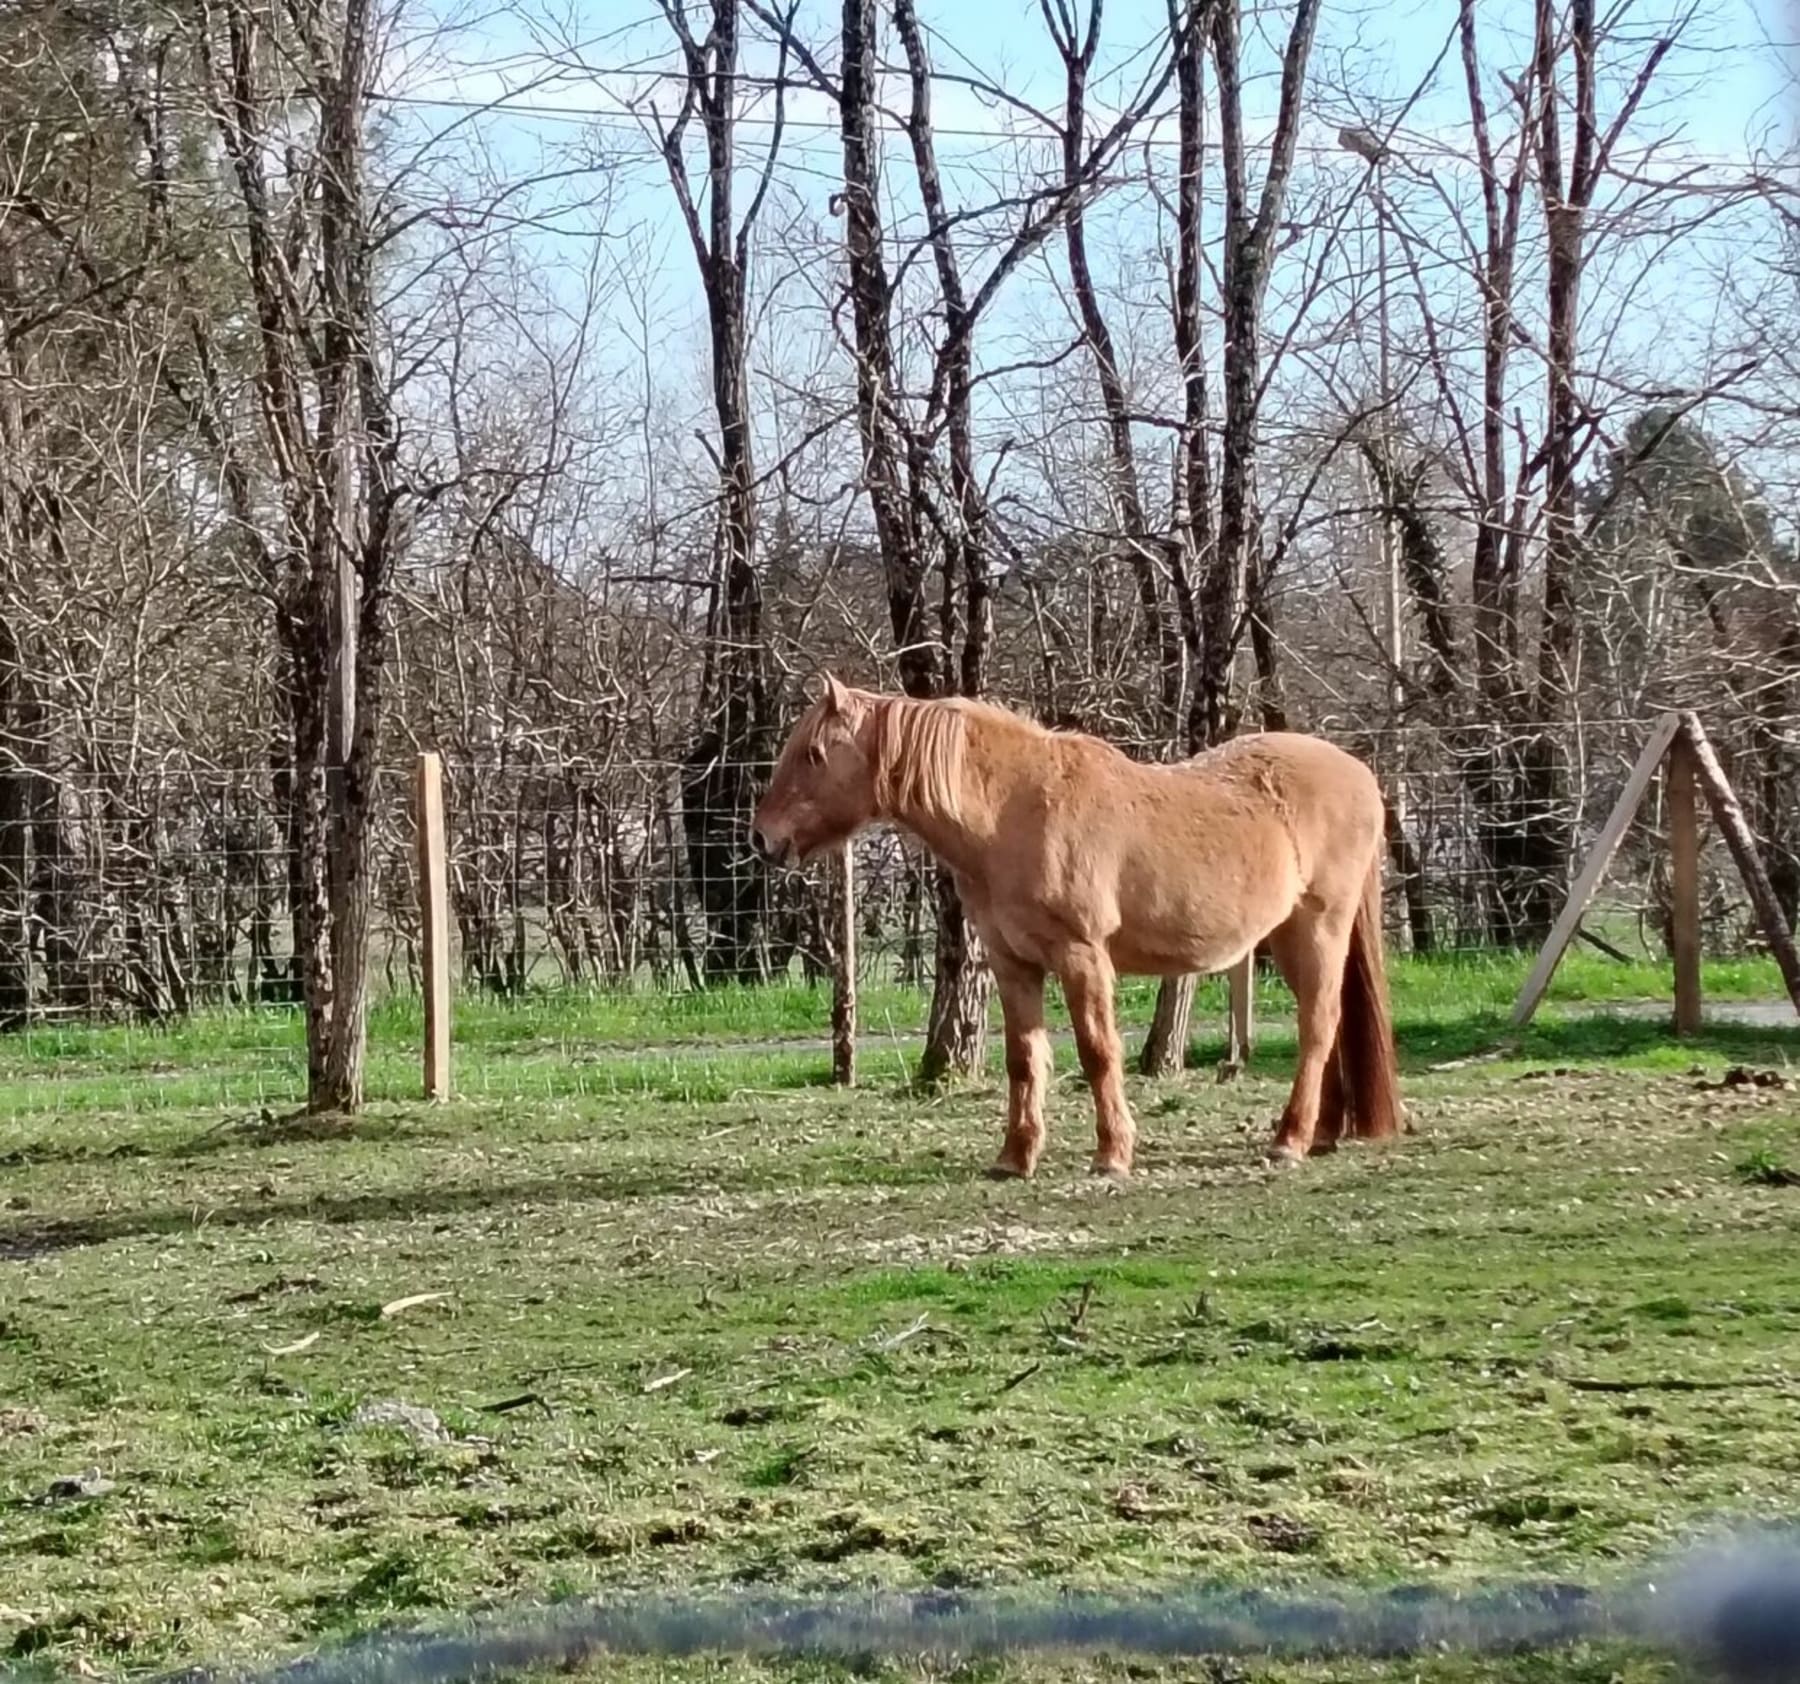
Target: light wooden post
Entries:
(843, 976)
(434, 923)
(1241, 981)
(1684, 872)
(1729, 817)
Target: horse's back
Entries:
(1251, 792)
(1326, 802)
(1300, 772)
(1298, 751)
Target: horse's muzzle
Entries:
(766, 846)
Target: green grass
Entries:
(696, 1046)
(1379, 1367)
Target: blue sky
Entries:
(570, 77)
(1732, 95)
(1723, 90)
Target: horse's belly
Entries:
(1179, 954)
(1196, 925)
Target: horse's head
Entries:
(823, 790)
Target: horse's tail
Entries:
(1369, 1071)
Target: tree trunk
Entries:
(956, 1030)
(1141, 550)
(352, 910)
(1232, 575)
(885, 440)
(734, 726)
(1497, 556)
(1248, 257)
(1410, 870)
(1775, 777)
(312, 923)
(1500, 769)
(714, 825)
(15, 836)
(1165, 1045)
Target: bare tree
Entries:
(312, 453)
(1249, 240)
(1145, 550)
(1520, 481)
(732, 740)
(934, 501)
(315, 490)
(1233, 562)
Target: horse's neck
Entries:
(953, 840)
(961, 840)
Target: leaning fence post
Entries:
(1562, 932)
(843, 975)
(434, 922)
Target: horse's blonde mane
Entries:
(921, 752)
(918, 750)
(919, 759)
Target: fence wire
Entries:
(1733, 1610)
(169, 891)
(140, 904)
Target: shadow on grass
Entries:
(697, 1075)
(302, 1128)
(26, 1237)
(1585, 1040)
(256, 1132)
(1588, 1039)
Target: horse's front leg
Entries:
(1087, 979)
(1027, 1065)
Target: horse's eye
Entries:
(816, 754)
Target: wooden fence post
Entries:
(1729, 817)
(1241, 982)
(1684, 891)
(434, 922)
(843, 975)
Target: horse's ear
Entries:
(837, 698)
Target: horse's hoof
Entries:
(1283, 1156)
(1001, 1170)
(1110, 1170)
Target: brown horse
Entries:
(1074, 860)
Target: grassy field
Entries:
(696, 1046)
(689, 1317)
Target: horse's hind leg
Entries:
(1087, 979)
(1027, 1065)
(1310, 949)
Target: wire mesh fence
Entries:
(153, 914)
